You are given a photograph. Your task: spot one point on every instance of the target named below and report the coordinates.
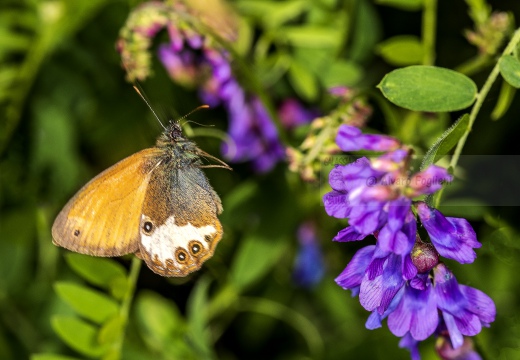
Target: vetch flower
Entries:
(400, 278)
(453, 238)
(350, 138)
(351, 277)
(416, 314)
(464, 309)
(309, 266)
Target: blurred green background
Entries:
(67, 113)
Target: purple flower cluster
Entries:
(400, 277)
(190, 58)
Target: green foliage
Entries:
(446, 142)
(510, 69)
(92, 305)
(257, 254)
(104, 273)
(428, 88)
(401, 50)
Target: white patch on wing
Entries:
(168, 237)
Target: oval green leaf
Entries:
(91, 304)
(446, 142)
(303, 81)
(401, 50)
(428, 88)
(256, 256)
(342, 72)
(510, 69)
(158, 318)
(105, 273)
(78, 334)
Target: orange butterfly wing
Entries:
(103, 218)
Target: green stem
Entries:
(481, 96)
(124, 311)
(429, 28)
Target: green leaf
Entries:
(111, 331)
(158, 318)
(273, 14)
(510, 69)
(89, 303)
(105, 273)
(410, 5)
(162, 327)
(52, 357)
(401, 50)
(78, 334)
(342, 72)
(505, 98)
(446, 142)
(16, 246)
(303, 81)
(198, 318)
(312, 36)
(428, 88)
(256, 255)
(366, 32)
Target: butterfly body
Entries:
(157, 203)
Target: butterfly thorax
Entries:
(178, 150)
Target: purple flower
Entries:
(253, 135)
(309, 266)
(351, 138)
(351, 277)
(292, 113)
(398, 234)
(348, 234)
(453, 238)
(464, 309)
(193, 60)
(429, 181)
(383, 279)
(393, 278)
(412, 345)
(377, 277)
(416, 314)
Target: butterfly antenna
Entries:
(150, 107)
(191, 112)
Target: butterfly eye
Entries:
(181, 256)
(195, 247)
(148, 227)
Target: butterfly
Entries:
(157, 204)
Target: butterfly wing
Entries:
(179, 225)
(103, 218)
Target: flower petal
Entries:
(454, 238)
(353, 274)
(336, 204)
(479, 304)
(348, 234)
